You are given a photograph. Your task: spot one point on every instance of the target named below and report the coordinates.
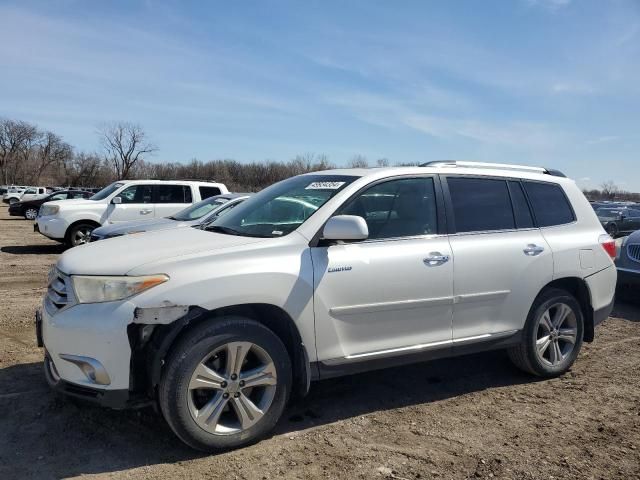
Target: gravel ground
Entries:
(469, 417)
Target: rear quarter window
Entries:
(206, 192)
(550, 204)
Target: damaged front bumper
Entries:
(89, 349)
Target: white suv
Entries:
(72, 221)
(327, 274)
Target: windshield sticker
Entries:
(324, 186)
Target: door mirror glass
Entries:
(346, 227)
(116, 200)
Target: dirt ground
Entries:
(469, 417)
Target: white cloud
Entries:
(603, 139)
(552, 5)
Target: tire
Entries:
(12, 201)
(79, 234)
(552, 306)
(612, 229)
(188, 400)
(30, 213)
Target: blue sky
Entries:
(542, 82)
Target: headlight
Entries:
(96, 289)
(46, 210)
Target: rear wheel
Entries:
(12, 201)
(225, 384)
(552, 336)
(30, 213)
(80, 234)
(612, 229)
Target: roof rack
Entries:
(503, 166)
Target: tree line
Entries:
(32, 156)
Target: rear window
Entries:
(549, 203)
(480, 204)
(206, 192)
(174, 194)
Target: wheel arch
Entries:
(78, 222)
(577, 287)
(165, 337)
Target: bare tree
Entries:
(124, 144)
(14, 136)
(50, 151)
(359, 161)
(382, 162)
(609, 189)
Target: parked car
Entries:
(628, 261)
(33, 193)
(199, 213)
(619, 220)
(72, 221)
(29, 208)
(13, 194)
(326, 274)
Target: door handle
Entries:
(532, 250)
(435, 258)
(145, 212)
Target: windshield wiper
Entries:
(219, 229)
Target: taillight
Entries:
(609, 245)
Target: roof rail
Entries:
(503, 166)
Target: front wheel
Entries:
(552, 335)
(612, 229)
(80, 234)
(225, 384)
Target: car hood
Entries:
(75, 201)
(138, 226)
(117, 256)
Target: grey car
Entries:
(628, 260)
(200, 213)
(620, 220)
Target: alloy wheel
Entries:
(232, 388)
(31, 214)
(82, 236)
(557, 334)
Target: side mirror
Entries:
(346, 228)
(116, 200)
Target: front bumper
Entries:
(628, 277)
(88, 344)
(52, 227)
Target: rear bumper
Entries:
(15, 212)
(602, 314)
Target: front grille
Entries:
(633, 251)
(59, 292)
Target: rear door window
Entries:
(480, 204)
(550, 204)
(173, 194)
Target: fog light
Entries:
(92, 369)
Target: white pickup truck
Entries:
(72, 221)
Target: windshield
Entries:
(106, 191)
(280, 209)
(199, 209)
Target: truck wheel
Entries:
(31, 214)
(612, 229)
(12, 201)
(79, 234)
(552, 335)
(225, 384)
